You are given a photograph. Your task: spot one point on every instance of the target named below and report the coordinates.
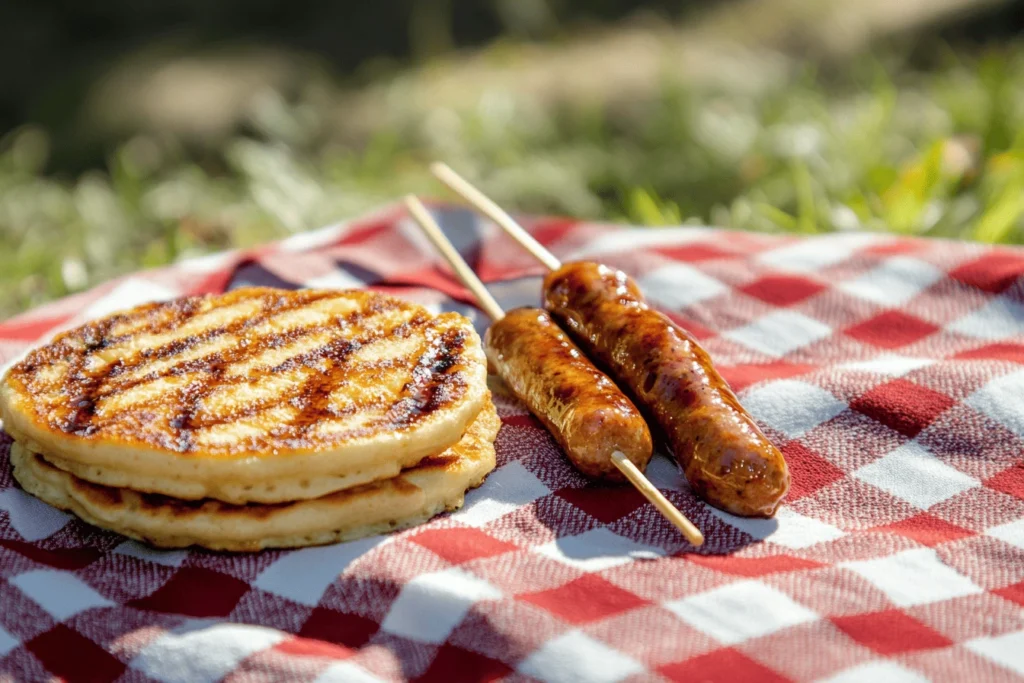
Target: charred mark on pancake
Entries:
(432, 384)
(314, 395)
(439, 462)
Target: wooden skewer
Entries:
(433, 232)
(657, 499)
(491, 307)
(478, 199)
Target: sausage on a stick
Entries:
(587, 414)
(724, 455)
(598, 427)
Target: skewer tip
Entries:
(416, 208)
(487, 207)
(436, 235)
(657, 499)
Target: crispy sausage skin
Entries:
(725, 457)
(584, 410)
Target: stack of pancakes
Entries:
(258, 418)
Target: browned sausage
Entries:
(586, 413)
(725, 457)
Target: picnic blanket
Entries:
(889, 370)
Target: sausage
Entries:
(725, 457)
(587, 414)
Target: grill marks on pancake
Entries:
(198, 326)
(97, 385)
(433, 382)
(165, 387)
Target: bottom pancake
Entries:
(278, 490)
(437, 484)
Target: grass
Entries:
(876, 145)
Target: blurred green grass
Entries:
(879, 145)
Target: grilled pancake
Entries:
(438, 483)
(258, 394)
(274, 491)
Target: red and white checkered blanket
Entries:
(889, 370)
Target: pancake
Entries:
(275, 491)
(437, 484)
(256, 395)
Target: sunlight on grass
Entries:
(880, 147)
